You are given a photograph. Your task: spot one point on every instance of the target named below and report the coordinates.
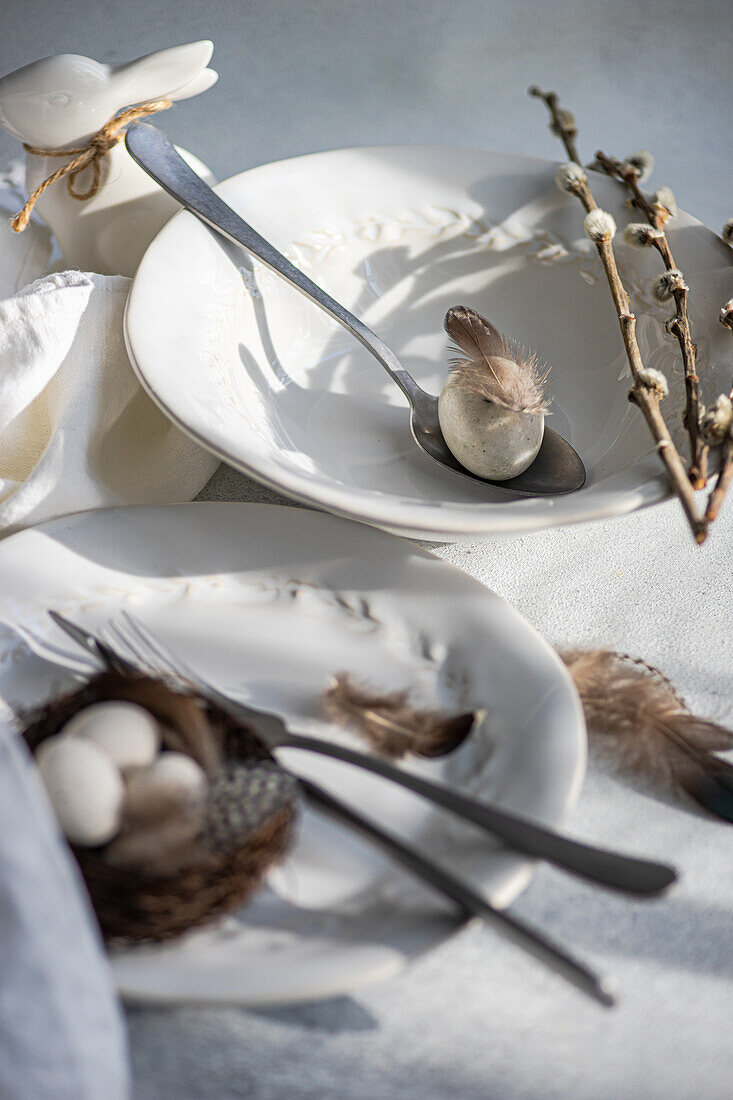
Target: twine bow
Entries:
(89, 155)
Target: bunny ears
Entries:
(177, 73)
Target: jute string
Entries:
(91, 155)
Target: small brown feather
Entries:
(492, 366)
(633, 708)
(390, 724)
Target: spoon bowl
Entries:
(556, 470)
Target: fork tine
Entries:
(150, 643)
(142, 658)
(270, 726)
(144, 650)
(48, 651)
(113, 635)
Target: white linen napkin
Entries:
(76, 429)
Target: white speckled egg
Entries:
(489, 440)
(126, 731)
(173, 780)
(85, 788)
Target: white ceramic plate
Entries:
(271, 601)
(261, 377)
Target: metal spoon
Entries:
(557, 469)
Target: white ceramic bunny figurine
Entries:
(59, 103)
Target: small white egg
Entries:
(85, 788)
(128, 732)
(172, 781)
(489, 440)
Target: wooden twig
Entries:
(725, 473)
(563, 122)
(644, 392)
(722, 482)
(656, 215)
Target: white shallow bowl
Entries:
(271, 602)
(260, 376)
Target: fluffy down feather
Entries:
(492, 366)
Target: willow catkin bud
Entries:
(641, 235)
(599, 226)
(665, 284)
(570, 176)
(642, 163)
(654, 380)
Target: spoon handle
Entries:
(538, 945)
(155, 154)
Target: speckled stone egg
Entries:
(489, 440)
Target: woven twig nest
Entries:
(221, 866)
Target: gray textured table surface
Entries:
(475, 1019)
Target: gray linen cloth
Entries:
(61, 1033)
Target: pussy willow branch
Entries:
(641, 394)
(679, 326)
